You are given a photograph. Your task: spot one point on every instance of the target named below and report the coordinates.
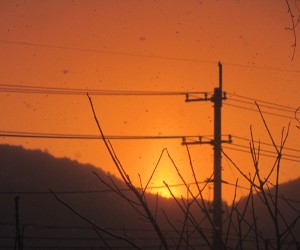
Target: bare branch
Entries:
(230, 223)
(161, 154)
(190, 217)
(94, 226)
(293, 28)
(128, 182)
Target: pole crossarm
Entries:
(206, 97)
(200, 141)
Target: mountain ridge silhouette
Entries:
(30, 174)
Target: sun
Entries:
(165, 193)
(169, 193)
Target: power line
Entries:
(262, 154)
(80, 91)
(192, 138)
(262, 101)
(263, 143)
(248, 188)
(94, 191)
(90, 238)
(19, 134)
(90, 228)
(139, 55)
(118, 53)
(27, 89)
(254, 110)
(55, 227)
(86, 238)
(263, 105)
(261, 67)
(30, 89)
(83, 192)
(75, 238)
(266, 151)
(56, 247)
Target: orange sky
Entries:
(167, 45)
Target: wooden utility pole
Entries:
(217, 201)
(217, 99)
(18, 240)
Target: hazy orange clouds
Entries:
(148, 46)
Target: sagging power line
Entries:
(278, 110)
(30, 89)
(186, 138)
(19, 134)
(140, 55)
(265, 112)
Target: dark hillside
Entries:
(46, 222)
(288, 214)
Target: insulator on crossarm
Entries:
(187, 97)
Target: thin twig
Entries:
(128, 182)
(161, 154)
(95, 226)
(230, 215)
(190, 217)
(293, 28)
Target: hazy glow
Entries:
(148, 45)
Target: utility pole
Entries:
(217, 201)
(217, 99)
(18, 240)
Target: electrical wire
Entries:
(81, 238)
(55, 227)
(261, 67)
(94, 191)
(170, 231)
(291, 110)
(263, 150)
(192, 138)
(139, 55)
(83, 192)
(263, 143)
(264, 112)
(86, 238)
(261, 101)
(111, 52)
(262, 154)
(5, 133)
(247, 188)
(30, 89)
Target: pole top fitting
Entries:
(220, 76)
